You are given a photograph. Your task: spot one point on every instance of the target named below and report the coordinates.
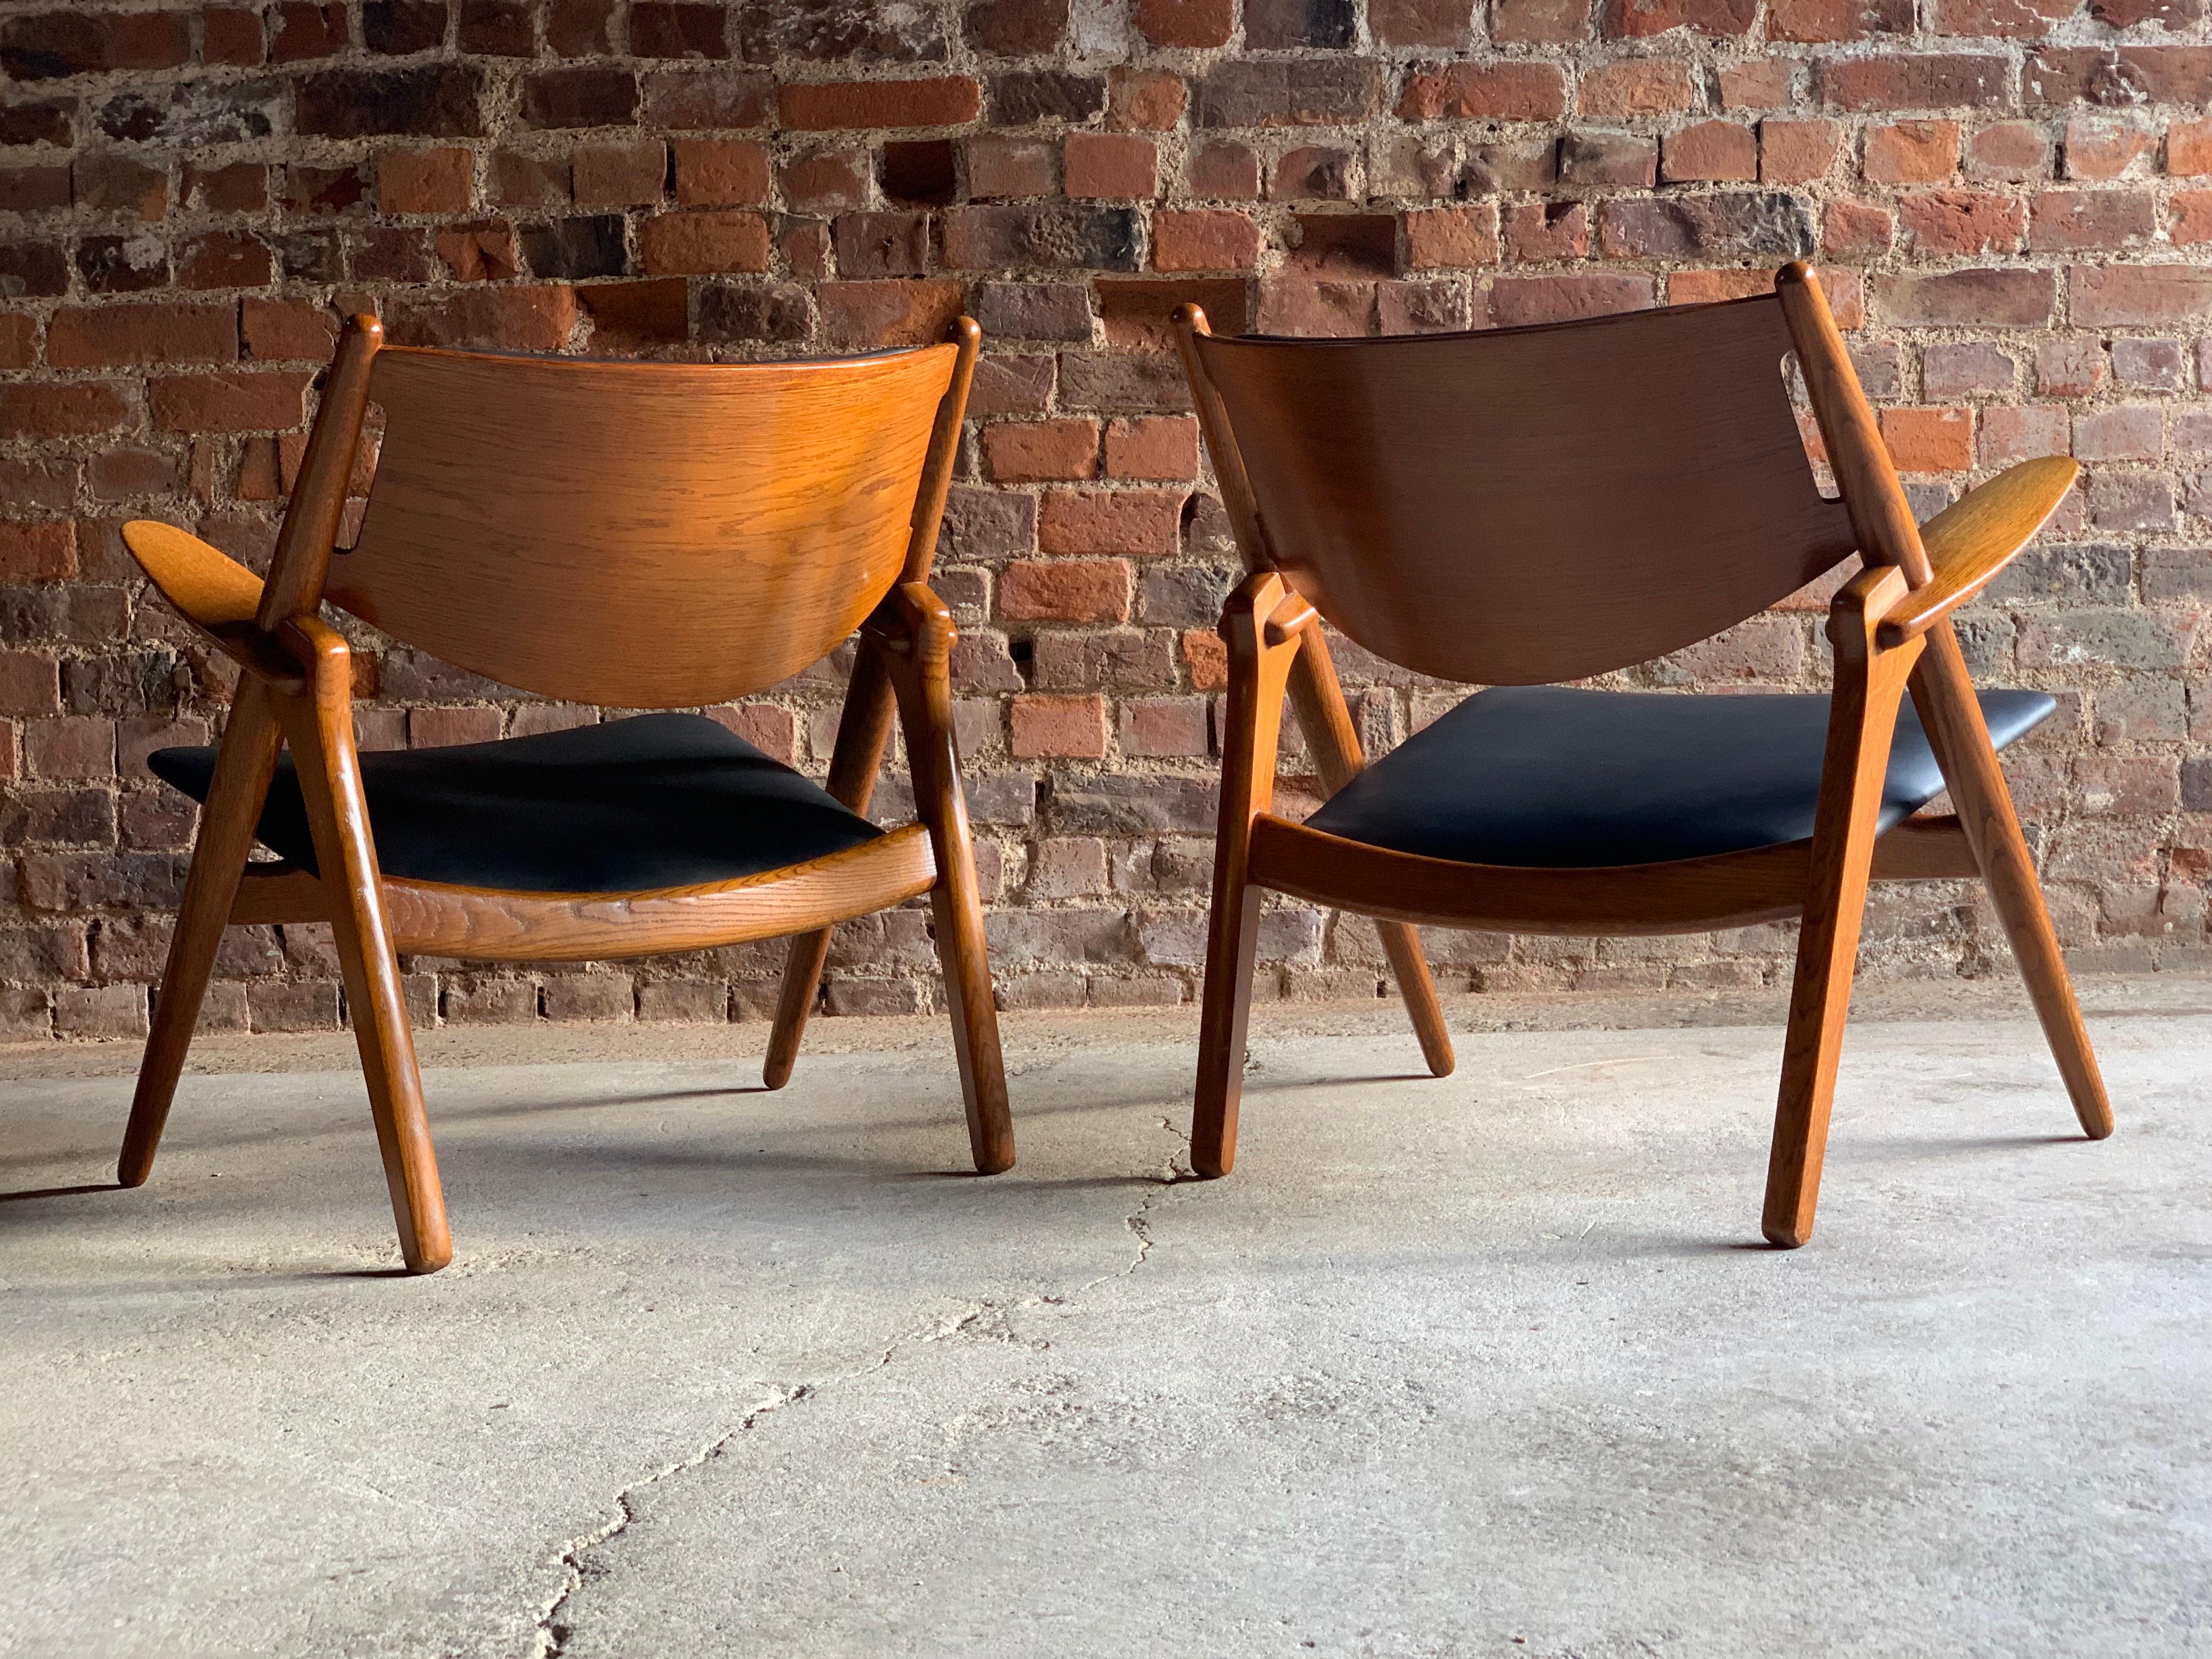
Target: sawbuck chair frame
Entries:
(647, 536)
(1524, 506)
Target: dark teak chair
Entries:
(642, 535)
(1527, 505)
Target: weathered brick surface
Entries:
(2012, 200)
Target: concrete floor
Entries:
(1489, 1365)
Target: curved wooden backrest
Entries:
(1525, 505)
(645, 535)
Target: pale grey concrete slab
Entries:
(1482, 1365)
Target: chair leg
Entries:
(1318, 697)
(1862, 716)
(242, 771)
(957, 911)
(1953, 717)
(802, 978)
(1231, 942)
(864, 731)
(1402, 943)
(329, 780)
(919, 663)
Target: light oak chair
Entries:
(1528, 506)
(640, 535)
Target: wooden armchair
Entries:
(1529, 506)
(645, 535)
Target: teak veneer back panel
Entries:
(1526, 505)
(644, 535)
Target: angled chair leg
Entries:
(1231, 940)
(1262, 653)
(1323, 717)
(1948, 710)
(243, 767)
(864, 730)
(319, 725)
(1869, 687)
(919, 661)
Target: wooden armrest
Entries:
(210, 590)
(1976, 536)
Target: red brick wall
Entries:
(2012, 197)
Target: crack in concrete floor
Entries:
(551, 1634)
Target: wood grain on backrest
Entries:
(1526, 505)
(644, 535)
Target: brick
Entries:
(2129, 433)
(2063, 221)
(1163, 727)
(718, 100)
(1017, 29)
(1952, 223)
(1443, 23)
(619, 175)
(1837, 20)
(1638, 87)
(1052, 234)
(949, 101)
(1984, 299)
(1127, 523)
(102, 336)
(1314, 173)
(30, 682)
(38, 552)
(1032, 310)
(1282, 92)
(2016, 150)
(695, 244)
(1198, 24)
(1110, 166)
(726, 173)
(2021, 433)
(1510, 91)
(1765, 223)
(2104, 150)
(1593, 158)
(2191, 224)
(1206, 238)
(1277, 25)
(1709, 152)
(2189, 149)
(1095, 591)
(1761, 83)
(1515, 300)
(1155, 447)
(1441, 238)
(538, 317)
(1906, 82)
(1930, 439)
(1973, 369)
(1145, 100)
(490, 254)
(1040, 452)
(883, 244)
(1797, 152)
(1539, 233)
(80, 409)
(887, 313)
(439, 180)
(1912, 152)
(2124, 296)
(1634, 19)
(1043, 727)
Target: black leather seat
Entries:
(657, 800)
(1558, 777)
